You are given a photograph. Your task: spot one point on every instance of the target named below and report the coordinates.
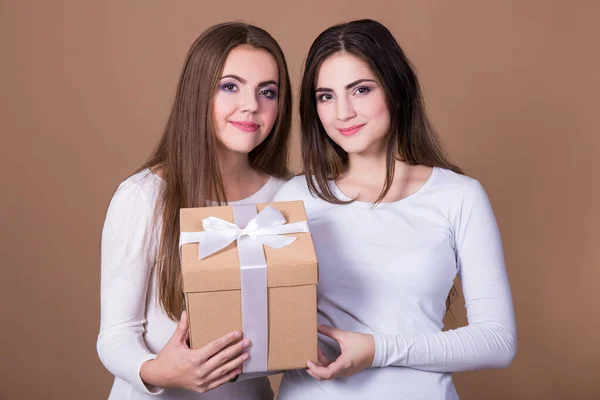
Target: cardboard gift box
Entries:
(256, 283)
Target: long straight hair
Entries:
(411, 137)
(186, 154)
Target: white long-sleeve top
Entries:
(387, 271)
(133, 326)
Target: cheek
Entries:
(223, 106)
(269, 111)
(326, 114)
(379, 115)
(377, 109)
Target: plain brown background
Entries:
(512, 86)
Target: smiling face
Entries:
(351, 104)
(245, 106)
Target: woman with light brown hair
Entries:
(225, 142)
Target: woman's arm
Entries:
(126, 266)
(489, 340)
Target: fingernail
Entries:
(309, 364)
(246, 343)
(237, 335)
(245, 356)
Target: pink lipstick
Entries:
(350, 130)
(245, 126)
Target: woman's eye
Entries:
(268, 93)
(229, 87)
(362, 90)
(325, 97)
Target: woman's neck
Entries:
(240, 180)
(368, 169)
(365, 176)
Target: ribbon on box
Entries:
(251, 230)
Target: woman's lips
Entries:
(245, 126)
(350, 130)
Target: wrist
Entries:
(149, 375)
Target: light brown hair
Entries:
(186, 154)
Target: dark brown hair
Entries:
(186, 154)
(412, 138)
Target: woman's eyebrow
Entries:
(242, 80)
(237, 78)
(348, 86)
(265, 83)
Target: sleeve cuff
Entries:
(380, 350)
(391, 350)
(139, 383)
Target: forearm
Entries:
(477, 346)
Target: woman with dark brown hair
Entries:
(226, 142)
(393, 223)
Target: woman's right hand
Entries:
(199, 370)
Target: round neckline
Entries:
(342, 196)
(263, 188)
(248, 199)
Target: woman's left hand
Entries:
(358, 351)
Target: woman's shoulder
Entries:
(461, 192)
(142, 187)
(277, 183)
(295, 188)
(133, 205)
(453, 179)
(451, 184)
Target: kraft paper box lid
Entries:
(292, 265)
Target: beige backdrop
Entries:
(512, 86)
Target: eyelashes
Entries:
(232, 88)
(359, 91)
(268, 93)
(229, 87)
(324, 97)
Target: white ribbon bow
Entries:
(266, 227)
